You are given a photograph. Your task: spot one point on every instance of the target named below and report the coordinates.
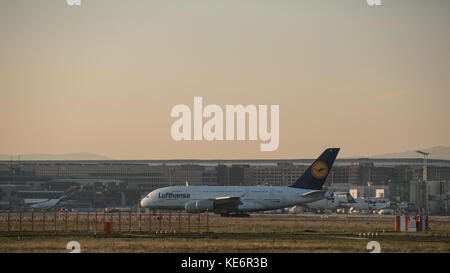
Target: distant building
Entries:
(399, 191)
(277, 175)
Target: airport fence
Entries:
(101, 223)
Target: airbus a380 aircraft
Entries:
(242, 199)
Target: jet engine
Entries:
(200, 206)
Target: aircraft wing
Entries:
(226, 202)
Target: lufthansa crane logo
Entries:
(319, 170)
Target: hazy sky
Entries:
(103, 77)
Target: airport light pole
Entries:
(369, 184)
(368, 203)
(171, 170)
(425, 162)
(424, 176)
(228, 175)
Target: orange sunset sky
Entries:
(104, 76)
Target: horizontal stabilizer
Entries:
(314, 194)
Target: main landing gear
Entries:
(235, 214)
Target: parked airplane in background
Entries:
(336, 200)
(360, 204)
(386, 211)
(226, 200)
(49, 203)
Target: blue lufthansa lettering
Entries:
(170, 195)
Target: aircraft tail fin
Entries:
(350, 198)
(67, 194)
(314, 177)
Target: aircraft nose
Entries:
(144, 202)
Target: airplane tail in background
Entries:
(350, 198)
(314, 177)
(69, 193)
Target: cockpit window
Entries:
(152, 194)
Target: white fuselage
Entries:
(41, 203)
(253, 198)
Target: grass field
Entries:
(258, 233)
